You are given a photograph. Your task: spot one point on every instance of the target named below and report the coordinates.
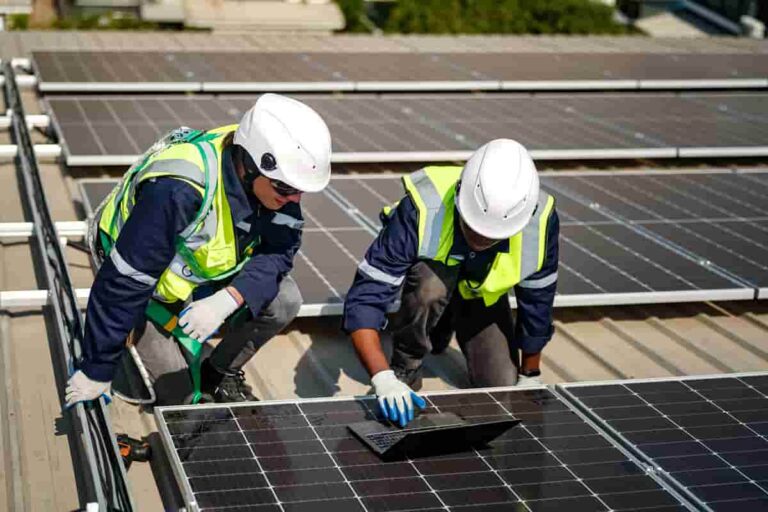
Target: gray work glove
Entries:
(81, 388)
(201, 319)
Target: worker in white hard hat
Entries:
(201, 231)
(456, 245)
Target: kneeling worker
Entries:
(204, 223)
(457, 243)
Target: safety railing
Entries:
(101, 475)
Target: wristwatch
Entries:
(530, 373)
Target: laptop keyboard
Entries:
(385, 439)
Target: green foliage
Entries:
(108, 21)
(426, 16)
(502, 17)
(18, 21)
(354, 15)
(81, 21)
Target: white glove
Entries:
(396, 399)
(80, 388)
(203, 317)
(528, 382)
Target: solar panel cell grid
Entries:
(708, 434)
(610, 241)
(304, 458)
(113, 129)
(715, 216)
(67, 71)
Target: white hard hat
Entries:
(499, 189)
(288, 141)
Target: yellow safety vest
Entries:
(206, 250)
(433, 191)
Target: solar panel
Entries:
(93, 191)
(719, 219)
(299, 455)
(706, 435)
(66, 71)
(390, 128)
(612, 248)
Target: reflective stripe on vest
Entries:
(430, 190)
(433, 191)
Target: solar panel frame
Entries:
(677, 407)
(188, 494)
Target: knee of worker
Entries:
(489, 359)
(491, 375)
(429, 290)
(286, 305)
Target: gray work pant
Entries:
(165, 359)
(432, 309)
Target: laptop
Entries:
(428, 435)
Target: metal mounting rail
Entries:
(101, 476)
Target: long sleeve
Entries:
(536, 295)
(258, 281)
(381, 273)
(126, 280)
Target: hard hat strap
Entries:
(250, 169)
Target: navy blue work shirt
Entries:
(164, 208)
(395, 250)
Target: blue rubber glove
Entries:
(396, 399)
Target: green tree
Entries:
(502, 17)
(494, 17)
(354, 15)
(570, 17)
(426, 16)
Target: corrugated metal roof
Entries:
(22, 43)
(38, 473)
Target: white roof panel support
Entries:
(623, 299)
(726, 83)
(568, 85)
(24, 229)
(44, 150)
(746, 151)
(445, 85)
(277, 86)
(120, 86)
(36, 298)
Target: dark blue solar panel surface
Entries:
(64, 70)
(378, 126)
(301, 457)
(708, 434)
(692, 236)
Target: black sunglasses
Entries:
(283, 189)
(268, 163)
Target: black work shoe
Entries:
(224, 386)
(233, 388)
(411, 377)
